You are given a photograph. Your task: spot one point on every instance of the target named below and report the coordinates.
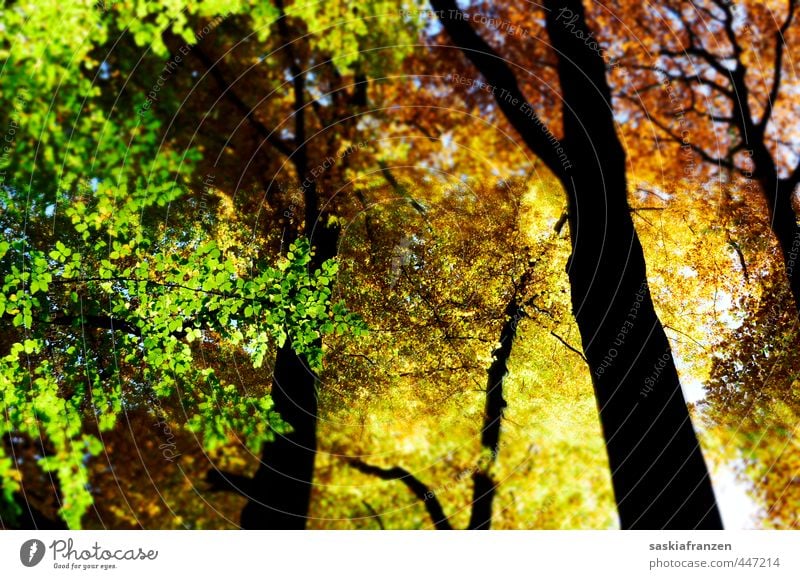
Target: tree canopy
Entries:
(379, 265)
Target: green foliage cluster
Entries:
(160, 300)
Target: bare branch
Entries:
(568, 346)
(97, 322)
(711, 59)
(727, 20)
(706, 11)
(374, 515)
(697, 149)
(738, 249)
(777, 67)
(387, 174)
(685, 78)
(269, 135)
(498, 74)
(695, 46)
(420, 490)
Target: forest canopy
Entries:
(380, 265)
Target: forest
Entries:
(282, 264)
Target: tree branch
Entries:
(727, 21)
(695, 47)
(684, 78)
(737, 248)
(499, 76)
(568, 346)
(270, 136)
(697, 149)
(777, 67)
(399, 189)
(99, 322)
(420, 490)
(373, 514)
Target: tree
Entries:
(660, 478)
(74, 147)
(726, 69)
(280, 490)
(752, 404)
(150, 301)
(484, 483)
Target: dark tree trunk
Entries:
(281, 487)
(659, 476)
(778, 194)
(279, 493)
(484, 486)
(283, 482)
(787, 231)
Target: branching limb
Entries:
(416, 486)
(568, 346)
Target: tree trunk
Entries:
(787, 231)
(659, 476)
(778, 194)
(279, 493)
(284, 478)
(281, 487)
(484, 485)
